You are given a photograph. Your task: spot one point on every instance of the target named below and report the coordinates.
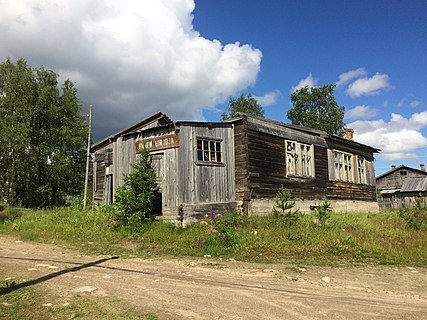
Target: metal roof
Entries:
(414, 184)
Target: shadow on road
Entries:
(4, 291)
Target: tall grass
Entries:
(359, 237)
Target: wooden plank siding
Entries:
(205, 182)
(261, 164)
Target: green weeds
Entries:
(346, 237)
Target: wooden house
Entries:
(240, 163)
(400, 186)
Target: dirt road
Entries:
(208, 288)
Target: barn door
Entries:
(158, 165)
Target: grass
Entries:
(382, 238)
(35, 304)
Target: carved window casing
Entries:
(343, 166)
(349, 167)
(299, 159)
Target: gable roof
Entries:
(163, 120)
(159, 117)
(400, 168)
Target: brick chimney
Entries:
(393, 167)
(348, 134)
(422, 167)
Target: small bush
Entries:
(323, 212)
(134, 200)
(224, 229)
(414, 218)
(283, 208)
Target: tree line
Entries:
(314, 108)
(42, 137)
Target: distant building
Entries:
(238, 164)
(400, 186)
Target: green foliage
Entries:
(283, 208)
(415, 217)
(42, 137)
(349, 237)
(226, 227)
(134, 200)
(323, 212)
(317, 108)
(248, 105)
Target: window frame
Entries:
(343, 168)
(297, 164)
(216, 152)
(361, 170)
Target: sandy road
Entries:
(207, 288)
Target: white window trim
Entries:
(362, 179)
(344, 167)
(295, 168)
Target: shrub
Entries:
(415, 217)
(323, 212)
(134, 200)
(283, 208)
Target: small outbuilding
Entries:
(399, 187)
(239, 164)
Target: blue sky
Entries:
(132, 58)
(380, 40)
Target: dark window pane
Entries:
(199, 144)
(205, 145)
(218, 146)
(200, 155)
(212, 156)
(218, 156)
(205, 156)
(212, 146)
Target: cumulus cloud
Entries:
(399, 138)
(268, 99)
(346, 77)
(360, 112)
(307, 82)
(369, 86)
(128, 58)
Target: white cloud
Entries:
(307, 82)
(346, 77)
(368, 86)
(415, 103)
(360, 112)
(128, 58)
(400, 138)
(268, 99)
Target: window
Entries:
(403, 173)
(209, 150)
(343, 166)
(299, 159)
(361, 176)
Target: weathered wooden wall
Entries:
(261, 165)
(205, 182)
(394, 180)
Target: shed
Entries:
(400, 186)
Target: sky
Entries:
(186, 58)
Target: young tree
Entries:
(316, 108)
(42, 137)
(134, 199)
(243, 104)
